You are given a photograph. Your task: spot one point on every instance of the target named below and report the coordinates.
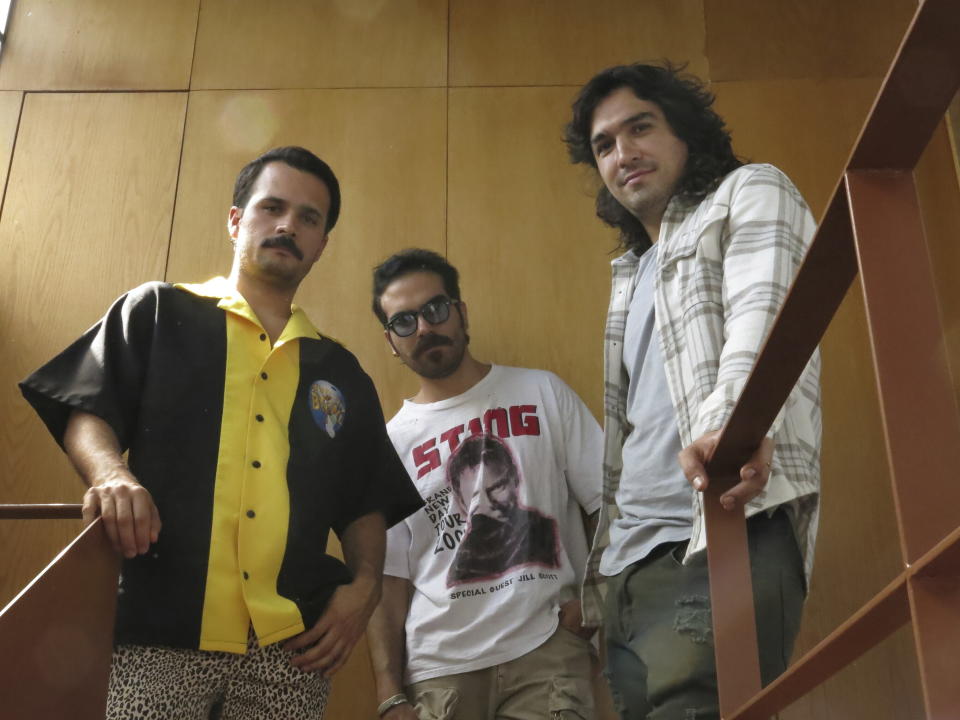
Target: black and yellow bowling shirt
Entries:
(252, 454)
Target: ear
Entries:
(463, 314)
(393, 348)
(233, 221)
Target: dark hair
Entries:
(296, 157)
(410, 261)
(687, 107)
(487, 450)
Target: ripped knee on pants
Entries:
(693, 618)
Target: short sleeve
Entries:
(101, 372)
(397, 560)
(582, 447)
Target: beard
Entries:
(429, 358)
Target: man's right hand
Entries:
(130, 517)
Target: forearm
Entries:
(130, 517)
(93, 448)
(364, 543)
(328, 643)
(386, 637)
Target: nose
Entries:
(626, 151)
(286, 224)
(423, 327)
(482, 504)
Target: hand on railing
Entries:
(130, 517)
(753, 474)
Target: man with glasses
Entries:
(480, 616)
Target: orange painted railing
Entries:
(56, 636)
(872, 225)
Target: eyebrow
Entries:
(305, 206)
(441, 296)
(644, 115)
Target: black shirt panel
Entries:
(341, 467)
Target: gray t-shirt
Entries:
(654, 496)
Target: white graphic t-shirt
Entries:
(504, 469)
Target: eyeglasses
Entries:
(435, 311)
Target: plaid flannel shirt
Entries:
(724, 267)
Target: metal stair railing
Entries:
(56, 635)
(872, 225)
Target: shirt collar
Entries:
(230, 299)
(630, 257)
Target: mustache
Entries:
(428, 342)
(285, 242)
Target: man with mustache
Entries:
(712, 246)
(480, 615)
(250, 436)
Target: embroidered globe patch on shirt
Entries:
(327, 406)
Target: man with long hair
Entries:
(711, 247)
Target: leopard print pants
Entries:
(161, 683)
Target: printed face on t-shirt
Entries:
(489, 489)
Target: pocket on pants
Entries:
(436, 703)
(567, 701)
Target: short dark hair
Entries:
(296, 157)
(687, 106)
(487, 450)
(410, 261)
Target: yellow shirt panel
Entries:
(251, 499)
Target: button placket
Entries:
(253, 441)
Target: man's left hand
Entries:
(571, 619)
(753, 475)
(331, 639)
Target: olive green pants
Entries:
(659, 632)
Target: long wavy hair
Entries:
(687, 106)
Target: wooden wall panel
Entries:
(388, 150)
(939, 193)
(858, 549)
(763, 40)
(804, 127)
(564, 42)
(534, 261)
(10, 104)
(883, 684)
(105, 45)
(87, 215)
(308, 44)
